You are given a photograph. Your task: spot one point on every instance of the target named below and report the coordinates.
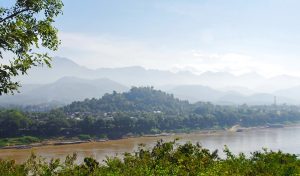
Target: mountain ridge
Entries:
(216, 87)
(65, 90)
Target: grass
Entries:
(24, 140)
(84, 137)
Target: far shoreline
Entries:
(204, 132)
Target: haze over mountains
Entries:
(67, 81)
(63, 91)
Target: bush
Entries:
(24, 140)
(165, 158)
(84, 137)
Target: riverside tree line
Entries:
(140, 111)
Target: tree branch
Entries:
(13, 15)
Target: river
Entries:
(286, 139)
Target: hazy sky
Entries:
(237, 36)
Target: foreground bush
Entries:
(165, 158)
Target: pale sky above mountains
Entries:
(234, 36)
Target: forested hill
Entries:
(142, 110)
(143, 99)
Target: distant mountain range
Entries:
(139, 76)
(63, 91)
(195, 93)
(67, 81)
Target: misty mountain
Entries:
(60, 67)
(130, 76)
(224, 79)
(194, 93)
(292, 93)
(139, 76)
(279, 82)
(255, 99)
(217, 87)
(239, 89)
(64, 90)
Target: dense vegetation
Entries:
(139, 111)
(164, 159)
(145, 111)
(24, 140)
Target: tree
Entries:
(25, 29)
(11, 121)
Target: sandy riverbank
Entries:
(233, 129)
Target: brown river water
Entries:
(286, 139)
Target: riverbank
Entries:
(247, 141)
(47, 142)
(74, 141)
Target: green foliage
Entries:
(24, 28)
(142, 99)
(137, 112)
(165, 158)
(24, 140)
(84, 137)
(12, 121)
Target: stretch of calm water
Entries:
(286, 139)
